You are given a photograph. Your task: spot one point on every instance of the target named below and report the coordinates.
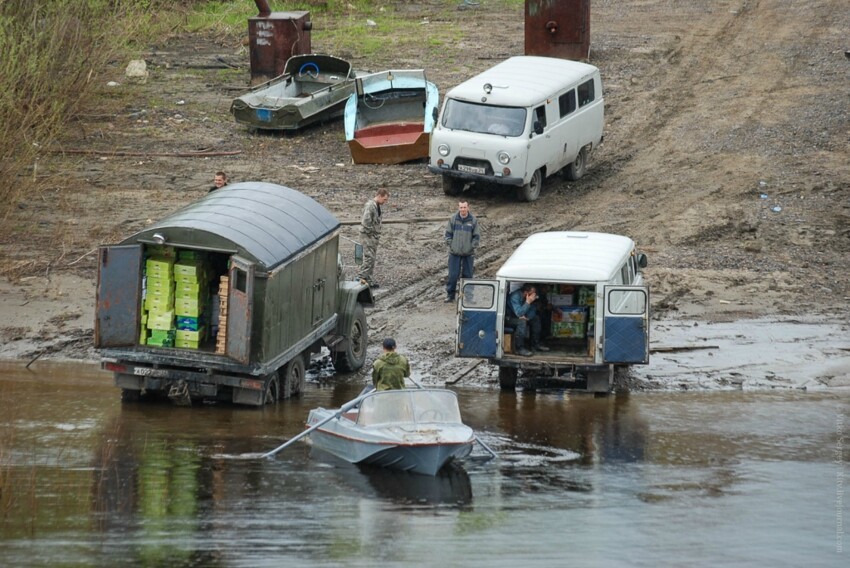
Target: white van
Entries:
(594, 310)
(517, 123)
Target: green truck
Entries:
(227, 298)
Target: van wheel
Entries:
(507, 378)
(452, 186)
(531, 190)
(293, 377)
(354, 355)
(576, 170)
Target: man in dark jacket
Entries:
(390, 369)
(462, 238)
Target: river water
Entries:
(652, 479)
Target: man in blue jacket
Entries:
(525, 320)
(462, 238)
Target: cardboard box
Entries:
(568, 329)
(185, 344)
(569, 314)
(586, 296)
(561, 299)
(508, 343)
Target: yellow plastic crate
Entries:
(187, 307)
(159, 266)
(185, 343)
(187, 335)
(160, 320)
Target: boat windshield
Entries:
(484, 119)
(409, 406)
(396, 79)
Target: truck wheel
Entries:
(293, 377)
(452, 186)
(531, 190)
(272, 393)
(507, 378)
(354, 355)
(575, 170)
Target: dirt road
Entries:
(725, 158)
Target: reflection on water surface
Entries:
(625, 480)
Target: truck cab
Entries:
(592, 308)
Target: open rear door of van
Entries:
(476, 319)
(626, 325)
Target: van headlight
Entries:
(504, 158)
(444, 149)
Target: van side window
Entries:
(586, 93)
(567, 102)
(618, 277)
(627, 278)
(540, 115)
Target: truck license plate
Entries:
(470, 169)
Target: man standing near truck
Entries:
(370, 233)
(462, 237)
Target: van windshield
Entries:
(485, 119)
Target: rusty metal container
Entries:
(275, 37)
(558, 28)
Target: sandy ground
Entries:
(725, 159)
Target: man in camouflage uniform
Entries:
(390, 369)
(370, 233)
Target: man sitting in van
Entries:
(522, 315)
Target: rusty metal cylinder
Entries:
(273, 38)
(558, 28)
(264, 8)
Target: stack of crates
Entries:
(190, 293)
(221, 338)
(568, 320)
(158, 312)
(587, 297)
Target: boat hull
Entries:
(424, 459)
(390, 117)
(313, 88)
(418, 431)
(390, 144)
(288, 116)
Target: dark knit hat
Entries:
(389, 343)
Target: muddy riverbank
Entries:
(715, 162)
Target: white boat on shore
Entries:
(419, 431)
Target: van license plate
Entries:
(470, 169)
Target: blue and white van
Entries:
(517, 123)
(594, 310)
